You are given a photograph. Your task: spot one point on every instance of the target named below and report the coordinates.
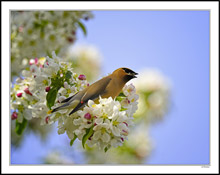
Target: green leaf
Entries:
(122, 94)
(20, 126)
(119, 98)
(57, 82)
(68, 75)
(71, 142)
(123, 109)
(44, 23)
(51, 97)
(88, 134)
(37, 24)
(82, 27)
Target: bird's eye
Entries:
(128, 70)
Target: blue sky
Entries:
(176, 43)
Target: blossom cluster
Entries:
(135, 150)
(104, 124)
(38, 33)
(48, 82)
(41, 86)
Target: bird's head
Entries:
(125, 73)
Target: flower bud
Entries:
(36, 61)
(27, 91)
(82, 77)
(88, 116)
(47, 119)
(70, 39)
(65, 84)
(19, 94)
(14, 116)
(31, 61)
(47, 89)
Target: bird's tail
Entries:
(67, 105)
(58, 108)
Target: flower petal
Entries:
(105, 137)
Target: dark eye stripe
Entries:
(128, 70)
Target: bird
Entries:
(108, 86)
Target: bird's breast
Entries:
(113, 89)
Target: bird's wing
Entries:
(93, 92)
(96, 90)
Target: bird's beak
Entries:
(133, 74)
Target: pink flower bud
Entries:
(14, 116)
(47, 119)
(122, 139)
(19, 94)
(31, 61)
(88, 116)
(47, 63)
(70, 39)
(47, 89)
(95, 124)
(87, 84)
(27, 91)
(36, 61)
(82, 77)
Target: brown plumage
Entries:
(109, 86)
